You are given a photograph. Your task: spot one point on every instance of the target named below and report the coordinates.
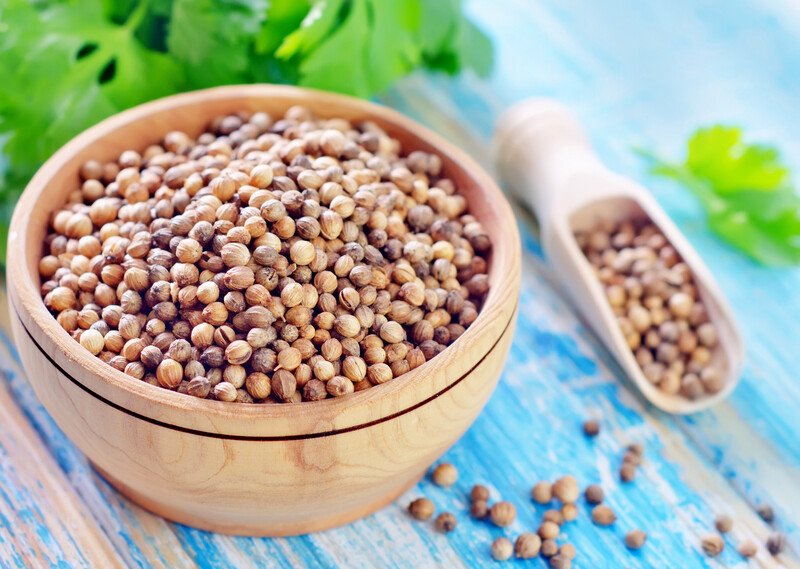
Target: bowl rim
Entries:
(504, 272)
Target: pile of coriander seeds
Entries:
(266, 260)
(657, 305)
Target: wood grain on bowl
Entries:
(257, 469)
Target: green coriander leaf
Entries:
(213, 39)
(283, 17)
(745, 189)
(474, 48)
(318, 24)
(719, 155)
(393, 49)
(339, 62)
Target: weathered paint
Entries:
(643, 75)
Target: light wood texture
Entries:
(257, 469)
(644, 75)
(546, 160)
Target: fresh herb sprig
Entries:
(67, 64)
(746, 190)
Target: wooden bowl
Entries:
(246, 468)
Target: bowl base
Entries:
(264, 529)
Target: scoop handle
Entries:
(539, 147)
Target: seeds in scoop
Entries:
(723, 523)
(502, 549)
(262, 256)
(445, 475)
(421, 509)
(445, 522)
(712, 545)
(542, 492)
(659, 311)
(503, 514)
(602, 515)
(566, 490)
(527, 545)
(747, 548)
(635, 539)
(594, 494)
(591, 428)
(776, 543)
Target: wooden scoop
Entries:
(545, 159)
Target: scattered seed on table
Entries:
(766, 512)
(635, 539)
(502, 549)
(527, 545)
(602, 515)
(636, 448)
(445, 522)
(712, 545)
(627, 472)
(445, 475)
(594, 494)
(479, 492)
(549, 530)
(591, 428)
(560, 562)
(503, 513)
(479, 509)
(747, 548)
(542, 492)
(421, 509)
(568, 550)
(566, 490)
(776, 543)
(549, 548)
(553, 515)
(723, 523)
(569, 512)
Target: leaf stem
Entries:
(137, 16)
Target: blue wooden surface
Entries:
(644, 73)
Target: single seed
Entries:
(502, 549)
(444, 475)
(446, 522)
(766, 512)
(421, 509)
(591, 428)
(594, 494)
(527, 545)
(542, 492)
(479, 509)
(503, 514)
(747, 549)
(712, 545)
(723, 523)
(635, 539)
(479, 492)
(776, 543)
(602, 515)
(566, 490)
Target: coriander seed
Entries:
(502, 549)
(542, 492)
(444, 475)
(635, 539)
(421, 509)
(527, 545)
(602, 515)
(723, 523)
(446, 522)
(712, 545)
(503, 514)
